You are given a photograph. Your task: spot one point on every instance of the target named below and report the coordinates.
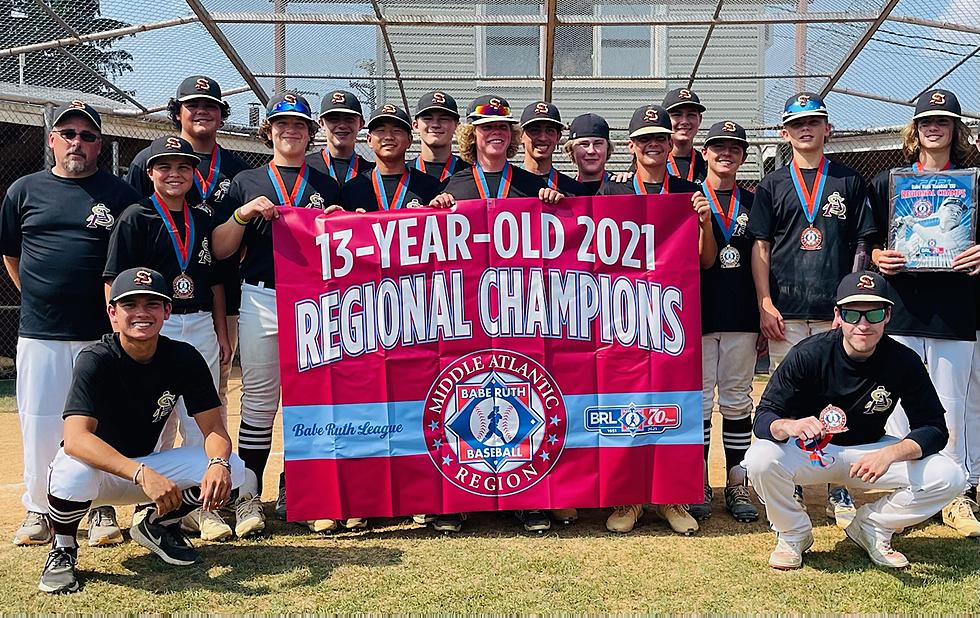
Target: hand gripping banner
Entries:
(504, 354)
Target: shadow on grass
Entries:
(933, 560)
(245, 569)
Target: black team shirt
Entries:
(340, 166)
(803, 283)
(141, 238)
(728, 300)
(257, 265)
(567, 186)
(674, 185)
(591, 187)
(359, 192)
(939, 305)
(435, 168)
(817, 372)
(684, 165)
(130, 400)
(463, 186)
(59, 228)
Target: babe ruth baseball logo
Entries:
(388, 109)
(337, 98)
(76, 104)
(835, 206)
(316, 201)
(289, 98)
(204, 255)
(937, 98)
(438, 97)
(101, 217)
(881, 400)
(143, 277)
(494, 423)
(728, 127)
(866, 282)
(202, 84)
(922, 209)
(834, 419)
(541, 108)
(802, 100)
(165, 405)
(414, 204)
(650, 115)
(172, 143)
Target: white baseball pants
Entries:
(728, 364)
(796, 331)
(258, 340)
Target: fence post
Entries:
(48, 126)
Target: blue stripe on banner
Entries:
(395, 429)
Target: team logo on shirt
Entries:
(741, 222)
(204, 255)
(881, 399)
(101, 217)
(202, 84)
(937, 98)
(316, 201)
(165, 405)
(835, 206)
(205, 208)
(494, 423)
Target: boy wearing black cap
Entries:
(436, 121)
(51, 220)
(589, 148)
(247, 211)
(822, 420)
(936, 312)
(685, 111)
(541, 129)
(340, 118)
(391, 184)
(729, 318)
(123, 389)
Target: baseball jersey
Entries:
(591, 187)
(131, 400)
(142, 238)
(817, 372)
(674, 185)
(59, 228)
(463, 186)
(803, 282)
(942, 305)
(564, 184)
(360, 192)
(684, 167)
(438, 168)
(728, 300)
(320, 191)
(339, 169)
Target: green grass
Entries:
(8, 400)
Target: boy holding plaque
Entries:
(935, 312)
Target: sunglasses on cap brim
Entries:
(285, 106)
(873, 316)
(491, 110)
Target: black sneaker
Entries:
(702, 511)
(58, 575)
(281, 499)
(739, 505)
(534, 521)
(450, 522)
(168, 542)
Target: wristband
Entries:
(136, 476)
(238, 219)
(221, 461)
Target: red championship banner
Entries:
(504, 354)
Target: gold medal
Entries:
(811, 239)
(183, 287)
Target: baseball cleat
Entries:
(678, 518)
(209, 524)
(739, 505)
(564, 516)
(168, 542)
(103, 529)
(423, 519)
(450, 522)
(702, 511)
(34, 530)
(959, 516)
(58, 575)
(321, 526)
(788, 555)
(840, 507)
(534, 521)
(281, 498)
(623, 518)
(249, 518)
(878, 548)
(355, 523)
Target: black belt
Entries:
(186, 310)
(261, 284)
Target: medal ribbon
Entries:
(351, 171)
(481, 181)
(640, 189)
(182, 248)
(292, 198)
(553, 179)
(808, 198)
(673, 170)
(206, 187)
(401, 192)
(725, 219)
(918, 166)
(814, 448)
(447, 170)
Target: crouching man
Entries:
(123, 390)
(822, 420)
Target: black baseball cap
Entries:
(937, 103)
(289, 104)
(863, 287)
(136, 281)
(340, 101)
(541, 111)
(436, 100)
(389, 112)
(199, 87)
(588, 125)
(650, 119)
(490, 108)
(727, 129)
(682, 96)
(802, 105)
(78, 107)
(172, 146)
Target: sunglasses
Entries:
(70, 134)
(853, 316)
(286, 106)
(491, 110)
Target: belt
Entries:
(186, 310)
(261, 284)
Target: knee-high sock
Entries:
(254, 445)
(707, 438)
(65, 515)
(737, 436)
(190, 500)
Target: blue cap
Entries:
(802, 105)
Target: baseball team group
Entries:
(137, 293)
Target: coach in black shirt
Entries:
(822, 420)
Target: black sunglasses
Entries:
(853, 316)
(71, 134)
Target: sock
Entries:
(737, 436)
(65, 515)
(254, 445)
(707, 438)
(191, 500)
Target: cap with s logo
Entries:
(937, 103)
(199, 87)
(78, 108)
(172, 146)
(680, 97)
(541, 112)
(340, 101)
(140, 281)
(863, 287)
(436, 101)
(289, 104)
(804, 104)
(490, 108)
(650, 119)
(727, 130)
(390, 113)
